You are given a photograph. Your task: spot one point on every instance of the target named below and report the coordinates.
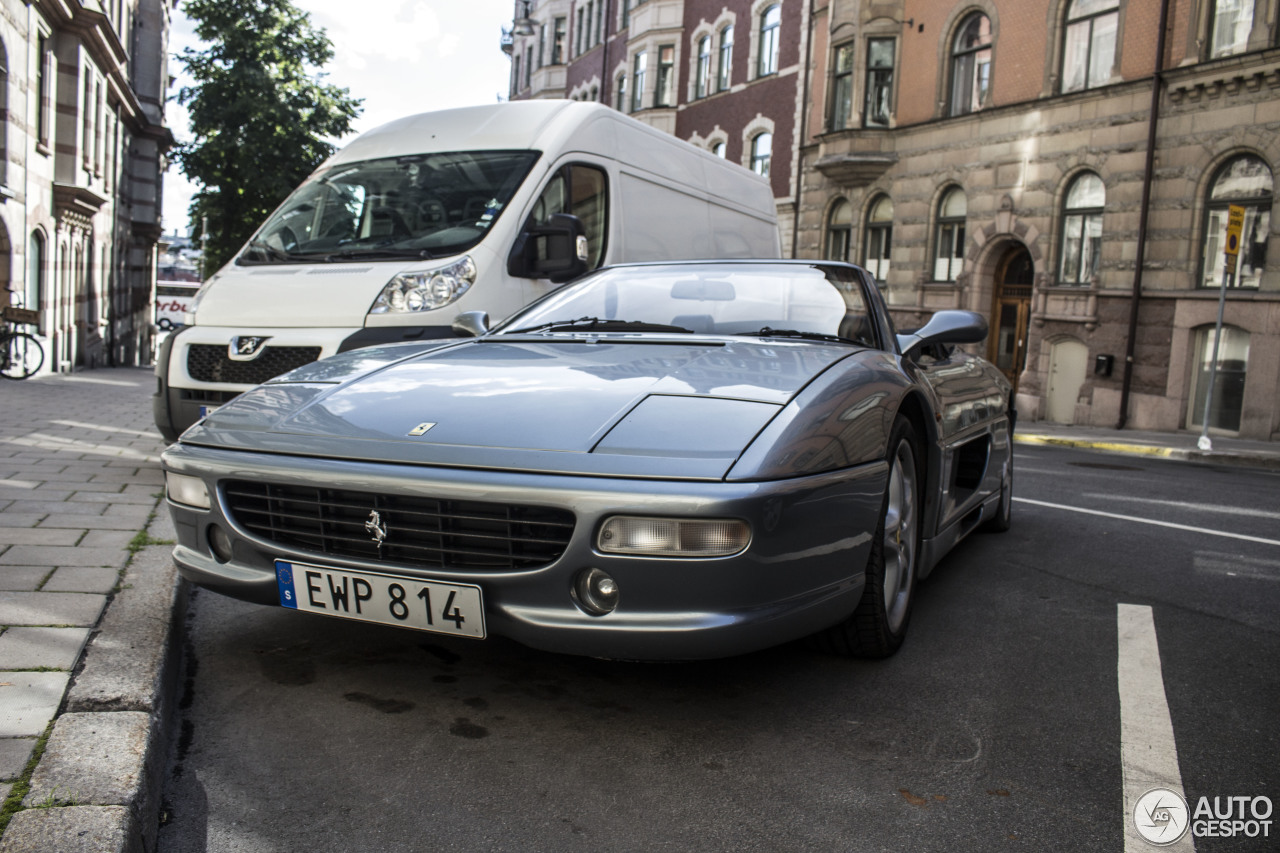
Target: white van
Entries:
(474, 209)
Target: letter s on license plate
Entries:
(445, 608)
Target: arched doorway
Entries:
(1007, 346)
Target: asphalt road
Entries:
(997, 726)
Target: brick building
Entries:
(83, 84)
(994, 155)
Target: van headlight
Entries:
(426, 290)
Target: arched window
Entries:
(948, 252)
(1082, 229)
(35, 272)
(1229, 33)
(718, 149)
(620, 93)
(877, 238)
(761, 153)
(1244, 181)
(1090, 47)
(839, 231)
(1228, 385)
(970, 65)
(725, 70)
(770, 24)
(702, 85)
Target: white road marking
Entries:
(1220, 508)
(120, 430)
(1148, 753)
(1205, 530)
(96, 381)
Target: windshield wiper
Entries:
(273, 253)
(598, 325)
(352, 254)
(768, 332)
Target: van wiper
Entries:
(273, 253)
(767, 332)
(353, 254)
(598, 325)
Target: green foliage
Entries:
(260, 114)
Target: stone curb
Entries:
(1242, 459)
(97, 786)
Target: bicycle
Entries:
(20, 353)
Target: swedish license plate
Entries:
(444, 608)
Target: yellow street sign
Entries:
(1235, 223)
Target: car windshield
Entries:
(428, 205)
(784, 300)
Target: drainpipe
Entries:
(1157, 80)
(801, 136)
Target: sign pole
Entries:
(1230, 255)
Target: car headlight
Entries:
(187, 490)
(426, 290)
(673, 537)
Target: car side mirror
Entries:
(945, 327)
(471, 324)
(556, 250)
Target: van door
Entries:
(580, 189)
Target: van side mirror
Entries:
(945, 327)
(557, 250)
(471, 324)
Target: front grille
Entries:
(420, 531)
(210, 363)
(206, 397)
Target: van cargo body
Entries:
(441, 213)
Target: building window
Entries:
(35, 272)
(839, 231)
(665, 96)
(1244, 181)
(724, 72)
(879, 83)
(842, 88)
(970, 66)
(620, 93)
(770, 24)
(639, 65)
(877, 239)
(579, 30)
(718, 149)
(1232, 21)
(1228, 386)
(557, 43)
(599, 21)
(1082, 230)
(761, 153)
(515, 75)
(45, 75)
(1090, 48)
(542, 44)
(626, 13)
(528, 67)
(702, 78)
(948, 250)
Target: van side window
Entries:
(582, 191)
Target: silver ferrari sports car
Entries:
(658, 461)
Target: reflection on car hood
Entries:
(626, 405)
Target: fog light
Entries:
(595, 592)
(220, 543)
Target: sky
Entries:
(400, 56)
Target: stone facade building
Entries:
(83, 89)
(1064, 167)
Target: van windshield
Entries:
(427, 205)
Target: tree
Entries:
(260, 114)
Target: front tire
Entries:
(879, 624)
(23, 357)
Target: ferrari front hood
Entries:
(534, 404)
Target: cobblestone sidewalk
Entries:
(79, 478)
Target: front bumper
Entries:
(802, 572)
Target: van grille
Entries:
(420, 531)
(210, 363)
